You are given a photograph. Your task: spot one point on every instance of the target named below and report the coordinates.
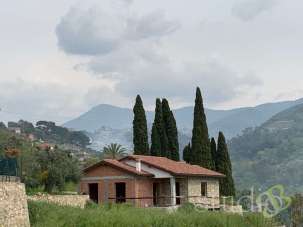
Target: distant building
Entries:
(148, 181)
(16, 130)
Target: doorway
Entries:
(120, 193)
(93, 192)
(178, 199)
(156, 192)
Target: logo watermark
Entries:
(270, 202)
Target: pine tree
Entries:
(200, 138)
(159, 129)
(187, 153)
(171, 131)
(140, 135)
(227, 187)
(213, 149)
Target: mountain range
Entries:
(231, 122)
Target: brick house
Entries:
(148, 181)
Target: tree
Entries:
(187, 153)
(140, 135)
(159, 129)
(171, 131)
(227, 187)
(54, 168)
(213, 149)
(200, 138)
(155, 149)
(114, 151)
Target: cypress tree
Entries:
(213, 149)
(171, 131)
(155, 149)
(200, 138)
(187, 153)
(140, 135)
(227, 187)
(158, 126)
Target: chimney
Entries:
(138, 165)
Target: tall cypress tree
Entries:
(213, 149)
(187, 153)
(171, 131)
(155, 149)
(159, 126)
(200, 138)
(227, 187)
(140, 135)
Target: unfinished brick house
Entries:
(148, 181)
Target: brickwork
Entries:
(13, 205)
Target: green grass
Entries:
(49, 215)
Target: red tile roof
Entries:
(174, 167)
(119, 165)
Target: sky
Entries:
(59, 58)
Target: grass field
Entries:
(49, 215)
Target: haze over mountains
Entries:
(271, 153)
(231, 122)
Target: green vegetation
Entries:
(48, 215)
(187, 153)
(40, 169)
(200, 145)
(114, 151)
(296, 210)
(52, 169)
(171, 131)
(159, 140)
(271, 154)
(140, 135)
(164, 136)
(223, 165)
(49, 131)
(213, 150)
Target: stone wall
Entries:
(13, 205)
(237, 209)
(62, 200)
(212, 199)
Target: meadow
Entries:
(50, 215)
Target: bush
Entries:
(49, 215)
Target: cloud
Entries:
(144, 69)
(247, 10)
(88, 32)
(127, 49)
(95, 32)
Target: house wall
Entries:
(211, 200)
(138, 189)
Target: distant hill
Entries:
(271, 153)
(232, 122)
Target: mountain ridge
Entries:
(231, 122)
(271, 153)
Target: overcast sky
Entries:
(59, 58)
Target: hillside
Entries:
(271, 153)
